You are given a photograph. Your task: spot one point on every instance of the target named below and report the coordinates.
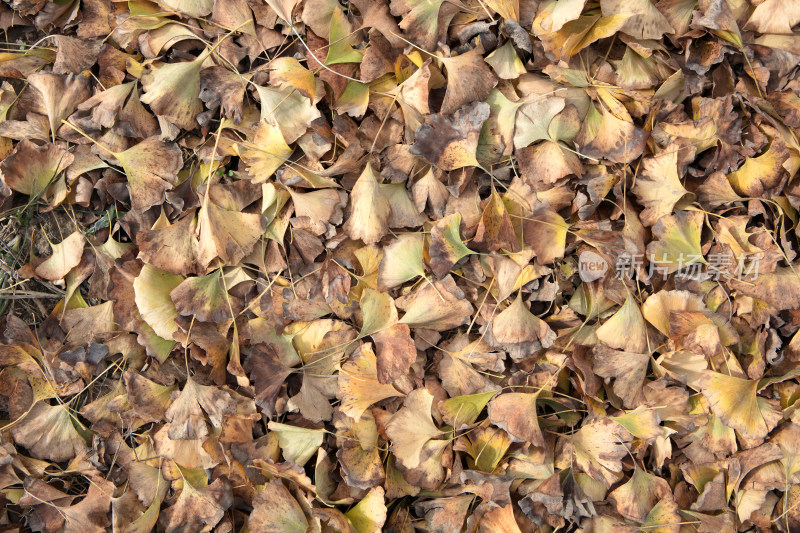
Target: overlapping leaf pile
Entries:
(316, 265)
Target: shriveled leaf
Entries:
(658, 186)
(412, 427)
(450, 143)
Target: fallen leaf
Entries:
(471, 81)
(369, 209)
(658, 186)
(412, 427)
(450, 143)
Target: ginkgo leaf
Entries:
(395, 352)
(421, 20)
(288, 72)
(613, 139)
(363, 464)
(430, 191)
(287, 109)
(266, 153)
(498, 131)
(721, 20)
(701, 327)
(495, 230)
(206, 298)
(566, 125)
(172, 90)
(486, 447)
(151, 168)
(658, 307)
(369, 209)
(199, 507)
(515, 412)
(89, 514)
(276, 510)
(470, 80)
(658, 186)
(664, 517)
(413, 96)
(378, 312)
(446, 247)
(198, 404)
(520, 332)
(368, 515)
(341, 39)
(358, 383)
(267, 368)
(440, 306)
(31, 169)
(679, 14)
(643, 423)
(194, 8)
(402, 261)
(284, 8)
(677, 241)
(298, 444)
(635, 499)
(644, 21)
(492, 264)
(50, 432)
(534, 118)
(544, 164)
(786, 438)
(321, 345)
(577, 34)
(625, 330)
(354, 100)
(188, 453)
(497, 517)
(66, 256)
(162, 38)
(760, 173)
(461, 362)
(234, 14)
(412, 427)
(637, 72)
(736, 402)
(733, 233)
(60, 94)
(546, 232)
(447, 514)
(225, 232)
(555, 13)
(450, 143)
(89, 324)
(686, 366)
(405, 213)
(172, 248)
(774, 16)
(92, 511)
(150, 400)
(151, 288)
(464, 410)
(599, 447)
(323, 206)
(628, 370)
(780, 289)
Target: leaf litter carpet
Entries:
(400, 265)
